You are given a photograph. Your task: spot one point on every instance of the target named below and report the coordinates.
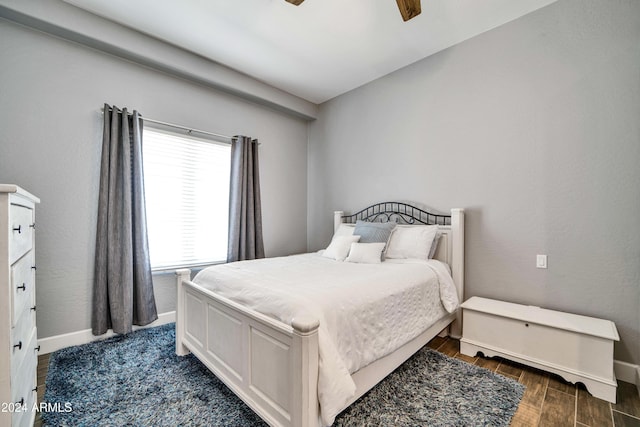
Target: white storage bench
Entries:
(578, 348)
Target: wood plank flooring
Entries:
(548, 400)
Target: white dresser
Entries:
(18, 337)
(578, 348)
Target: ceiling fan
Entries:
(408, 8)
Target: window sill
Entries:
(172, 269)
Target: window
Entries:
(187, 198)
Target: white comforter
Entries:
(366, 311)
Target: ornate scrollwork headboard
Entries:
(401, 213)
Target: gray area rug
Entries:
(137, 380)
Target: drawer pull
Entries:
(19, 229)
(34, 389)
(19, 345)
(33, 308)
(33, 225)
(20, 402)
(33, 267)
(23, 287)
(37, 348)
(526, 324)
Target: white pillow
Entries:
(345, 230)
(368, 253)
(411, 241)
(339, 247)
(434, 245)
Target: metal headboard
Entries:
(398, 212)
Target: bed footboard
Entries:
(271, 366)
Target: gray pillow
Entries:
(374, 232)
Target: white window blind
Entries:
(187, 198)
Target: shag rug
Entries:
(137, 380)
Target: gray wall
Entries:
(534, 129)
(51, 92)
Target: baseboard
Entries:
(627, 372)
(51, 344)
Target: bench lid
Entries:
(555, 319)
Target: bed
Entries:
(285, 358)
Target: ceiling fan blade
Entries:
(296, 2)
(408, 8)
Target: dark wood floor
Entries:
(548, 400)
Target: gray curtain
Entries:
(245, 213)
(123, 287)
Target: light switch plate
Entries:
(541, 261)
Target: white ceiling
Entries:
(317, 50)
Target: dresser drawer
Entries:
(26, 417)
(23, 373)
(24, 386)
(20, 336)
(22, 286)
(20, 232)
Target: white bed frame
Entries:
(273, 367)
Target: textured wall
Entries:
(51, 92)
(534, 128)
